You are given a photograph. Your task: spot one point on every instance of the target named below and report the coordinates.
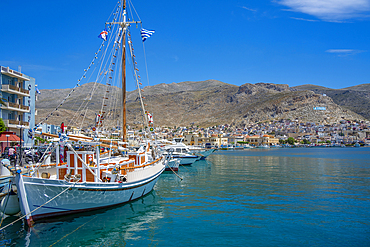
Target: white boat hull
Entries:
(204, 153)
(33, 193)
(172, 165)
(186, 159)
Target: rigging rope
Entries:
(146, 65)
(2, 228)
(116, 12)
(103, 64)
(74, 230)
(105, 71)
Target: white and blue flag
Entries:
(146, 33)
(37, 90)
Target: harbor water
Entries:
(256, 197)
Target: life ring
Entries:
(29, 87)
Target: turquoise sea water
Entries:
(265, 197)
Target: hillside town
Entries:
(272, 134)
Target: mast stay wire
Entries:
(103, 64)
(69, 94)
(146, 64)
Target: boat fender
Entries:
(10, 204)
(76, 177)
(115, 170)
(4, 171)
(68, 177)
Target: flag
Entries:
(146, 33)
(103, 35)
(150, 118)
(37, 90)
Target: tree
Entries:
(39, 140)
(291, 140)
(2, 126)
(2, 102)
(305, 141)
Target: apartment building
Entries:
(18, 95)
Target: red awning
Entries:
(12, 137)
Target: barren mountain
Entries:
(203, 103)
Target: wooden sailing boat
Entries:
(87, 180)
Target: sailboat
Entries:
(89, 180)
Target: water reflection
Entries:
(287, 197)
(109, 227)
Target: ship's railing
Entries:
(143, 171)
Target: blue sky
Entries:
(294, 42)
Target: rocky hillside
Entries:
(356, 98)
(203, 103)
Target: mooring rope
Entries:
(74, 230)
(168, 158)
(175, 172)
(39, 206)
(42, 160)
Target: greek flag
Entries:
(146, 33)
(103, 35)
(37, 90)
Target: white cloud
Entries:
(340, 50)
(254, 10)
(344, 52)
(302, 19)
(330, 10)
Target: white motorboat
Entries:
(181, 152)
(203, 153)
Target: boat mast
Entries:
(124, 24)
(123, 43)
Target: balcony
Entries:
(15, 90)
(15, 124)
(13, 73)
(15, 107)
